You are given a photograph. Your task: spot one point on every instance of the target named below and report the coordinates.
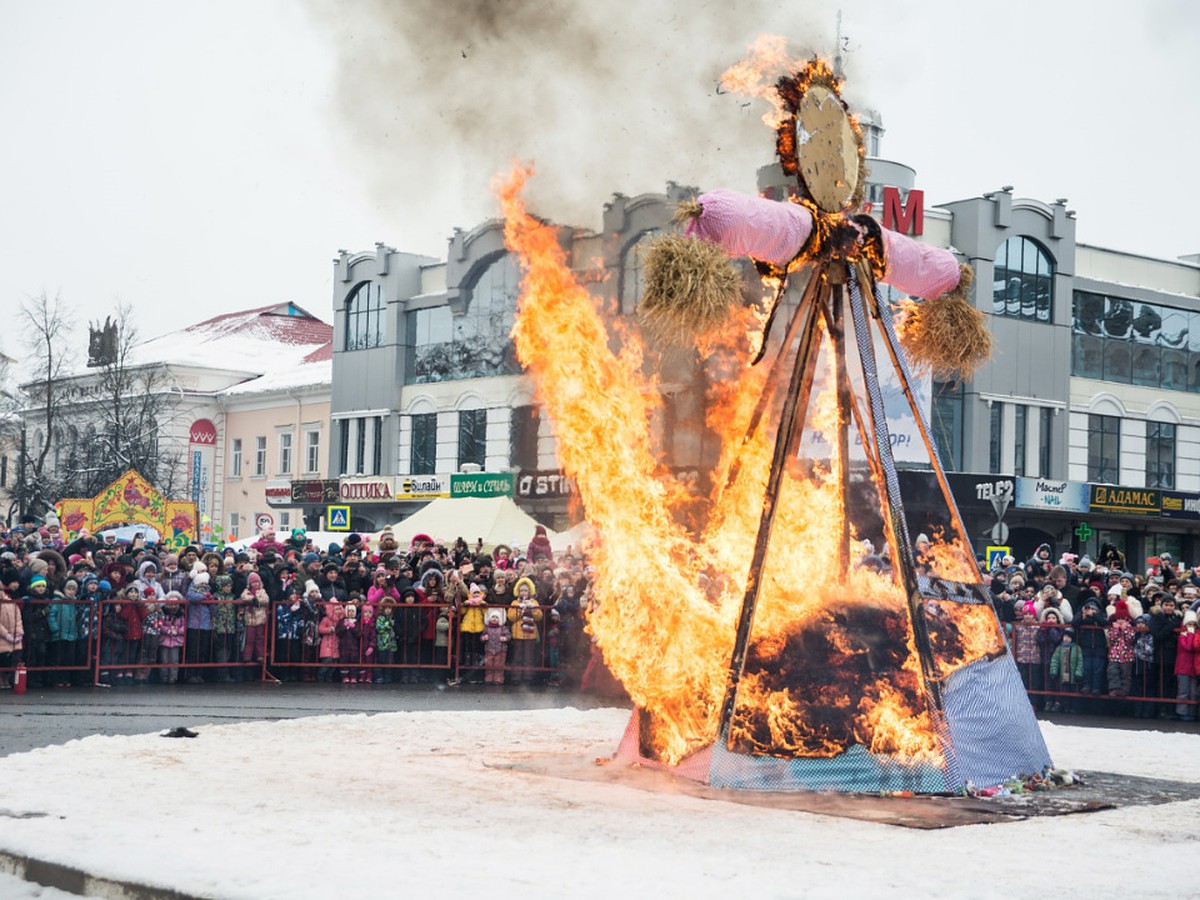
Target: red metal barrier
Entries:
(1153, 688)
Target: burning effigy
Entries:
(770, 648)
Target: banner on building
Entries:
(532, 484)
(1180, 506)
(316, 493)
(422, 487)
(1107, 498)
(1058, 496)
(482, 484)
(370, 489)
(278, 493)
(202, 457)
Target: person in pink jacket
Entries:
(327, 630)
(12, 635)
(172, 630)
(1186, 669)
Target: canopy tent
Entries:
(576, 537)
(497, 520)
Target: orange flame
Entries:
(831, 659)
(757, 73)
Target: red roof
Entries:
(282, 322)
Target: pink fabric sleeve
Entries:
(752, 226)
(918, 269)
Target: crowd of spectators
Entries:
(1095, 636)
(1087, 636)
(358, 611)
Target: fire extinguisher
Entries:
(19, 679)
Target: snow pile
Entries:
(402, 802)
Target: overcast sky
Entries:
(192, 159)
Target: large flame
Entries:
(831, 659)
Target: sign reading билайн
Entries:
(1125, 501)
(482, 484)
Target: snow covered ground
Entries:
(401, 802)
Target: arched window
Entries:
(477, 343)
(364, 317)
(633, 276)
(1023, 281)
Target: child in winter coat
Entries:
(524, 615)
(553, 636)
(113, 628)
(1066, 671)
(225, 612)
(366, 643)
(64, 629)
(1142, 683)
(1121, 637)
(1186, 656)
(255, 613)
(348, 644)
(35, 616)
(495, 639)
(410, 617)
(385, 641)
(1028, 652)
(12, 635)
(172, 630)
(471, 627)
(327, 628)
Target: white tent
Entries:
(497, 520)
(576, 537)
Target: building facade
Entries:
(1083, 428)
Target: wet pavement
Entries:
(45, 717)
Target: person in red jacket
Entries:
(1186, 669)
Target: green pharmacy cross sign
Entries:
(1084, 531)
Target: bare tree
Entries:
(47, 326)
(122, 407)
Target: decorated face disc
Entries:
(818, 141)
(827, 147)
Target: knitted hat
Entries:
(254, 578)
(37, 580)
(200, 579)
(1085, 562)
(173, 596)
(310, 586)
(105, 585)
(149, 592)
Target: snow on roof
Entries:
(304, 375)
(261, 340)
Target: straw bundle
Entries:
(691, 287)
(947, 335)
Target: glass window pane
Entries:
(1089, 312)
(1145, 365)
(1118, 362)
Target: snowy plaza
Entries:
(438, 802)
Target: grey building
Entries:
(1083, 428)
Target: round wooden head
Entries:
(819, 141)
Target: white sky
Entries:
(192, 159)
(428, 804)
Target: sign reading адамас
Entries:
(1125, 501)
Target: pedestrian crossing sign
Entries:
(337, 518)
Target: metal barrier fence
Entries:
(81, 641)
(409, 643)
(1080, 678)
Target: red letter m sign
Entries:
(910, 220)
